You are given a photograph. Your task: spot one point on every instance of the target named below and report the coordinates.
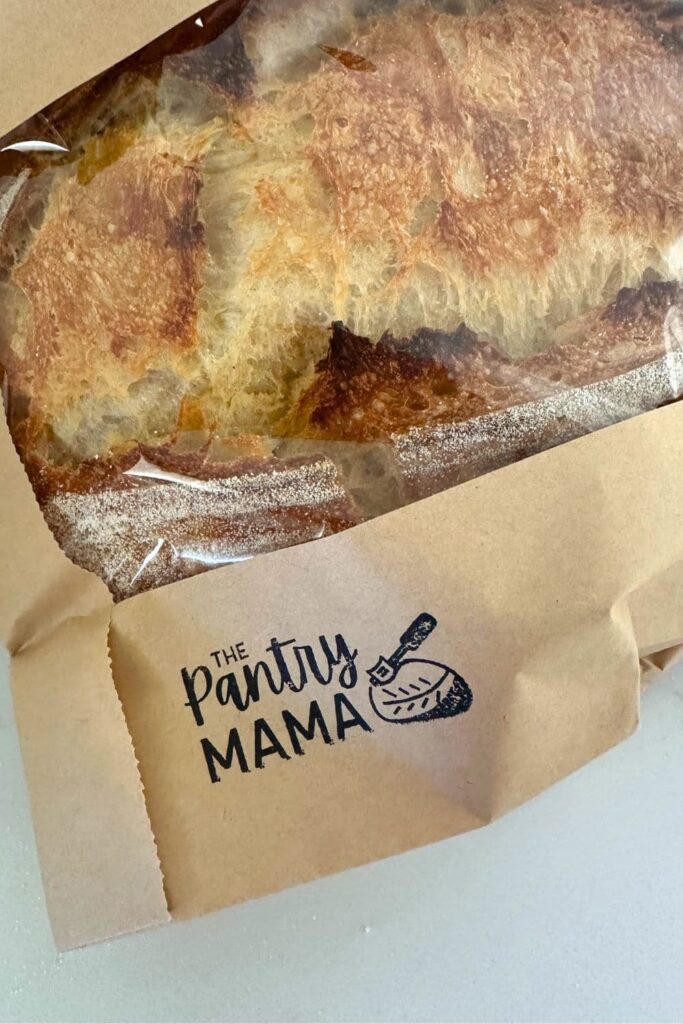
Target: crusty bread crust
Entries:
(365, 392)
(487, 206)
(391, 168)
(433, 458)
(453, 407)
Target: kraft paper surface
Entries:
(98, 859)
(528, 574)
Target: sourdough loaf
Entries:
(484, 199)
(511, 169)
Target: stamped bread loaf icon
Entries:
(406, 689)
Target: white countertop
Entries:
(570, 909)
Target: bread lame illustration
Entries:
(414, 689)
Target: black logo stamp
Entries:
(402, 690)
(407, 690)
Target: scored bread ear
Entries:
(363, 391)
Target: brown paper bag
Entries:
(337, 702)
(544, 641)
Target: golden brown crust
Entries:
(364, 392)
(663, 18)
(210, 54)
(111, 277)
(204, 460)
(526, 116)
(509, 169)
(457, 167)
